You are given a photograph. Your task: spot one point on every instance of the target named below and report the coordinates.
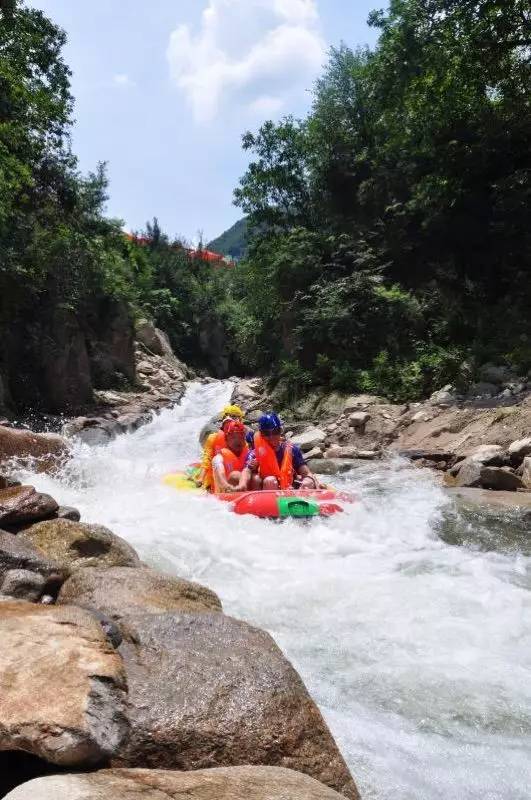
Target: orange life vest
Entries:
(213, 445)
(232, 463)
(268, 463)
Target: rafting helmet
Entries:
(234, 412)
(269, 422)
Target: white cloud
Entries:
(255, 52)
(122, 80)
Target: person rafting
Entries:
(274, 463)
(214, 444)
(228, 465)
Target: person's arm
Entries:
(220, 480)
(245, 480)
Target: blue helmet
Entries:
(269, 422)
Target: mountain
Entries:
(233, 242)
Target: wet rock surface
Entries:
(77, 544)
(43, 451)
(23, 504)
(62, 685)
(234, 783)
(207, 690)
(25, 571)
(121, 591)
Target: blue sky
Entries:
(165, 90)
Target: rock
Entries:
(246, 391)
(468, 473)
(23, 584)
(93, 431)
(368, 455)
(78, 544)
(153, 338)
(526, 472)
(43, 450)
(207, 690)
(7, 483)
(491, 455)
(309, 439)
(333, 451)
(314, 453)
(427, 455)
(62, 685)
(17, 556)
(444, 397)
(117, 591)
(359, 419)
(498, 478)
(67, 512)
(232, 783)
(21, 504)
(330, 466)
(358, 401)
(519, 450)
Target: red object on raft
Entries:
(299, 503)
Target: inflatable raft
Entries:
(271, 504)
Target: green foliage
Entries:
(392, 238)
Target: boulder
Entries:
(62, 685)
(206, 690)
(526, 472)
(67, 512)
(309, 439)
(444, 397)
(467, 472)
(501, 479)
(330, 466)
(482, 389)
(78, 544)
(17, 559)
(93, 431)
(153, 338)
(342, 452)
(427, 455)
(21, 504)
(519, 450)
(43, 450)
(498, 375)
(232, 783)
(368, 455)
(491, 455)
(118, 591)
(359, 419)
(315, 453)
(358, 401)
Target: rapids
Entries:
(408, 620)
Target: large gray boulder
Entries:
(25, 571)
(309, 439)
(119, 591)
(526, 472)
(61, 683)
(206, 690)
(500, 479)
(233, 783)
(43, 450)
(520, 449)
(78, 544)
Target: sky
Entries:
(165, 90)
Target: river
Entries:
(409, 622)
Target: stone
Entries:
(468, 473)
(23, 584)
(491, 455)
(526, 472)
(78, 544)
(18, 558)
(334, 451)
(20, 504)
(67, 512)
(520, 449)
(443, 397)
(309, 439)
(229, 783)
(359, 419)
(499, 478)
(498, 375)
(331, 466)
(62, 685)
(315, 453)
(118, 591)
(368, 455)
(42, 450)
(206, 690)
(358, 401)
(7, 483)
(428, 455)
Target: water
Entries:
(408, 620)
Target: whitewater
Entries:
(408, 620)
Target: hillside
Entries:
(233, 242)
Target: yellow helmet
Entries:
(234, 412)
